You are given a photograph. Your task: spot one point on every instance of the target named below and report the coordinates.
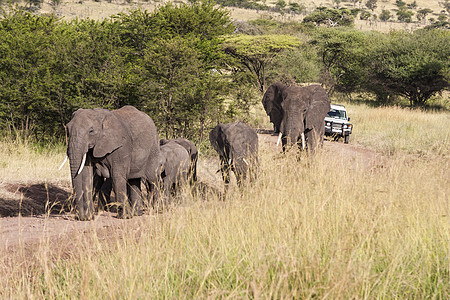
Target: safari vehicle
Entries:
(337, 123)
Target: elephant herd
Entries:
(117, 150)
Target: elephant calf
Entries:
(193, 154)
(175, 168)
(237, 145)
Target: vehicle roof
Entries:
(338, 106)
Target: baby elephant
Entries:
(237, 145)
(193, 154)
(175, 168)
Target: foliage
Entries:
(422, 13)
(371, 4)
(254, 54)
(330, 17)
(49, 68)
(342, 51)
(365, 15)
(249, 4)
(405, 15)
(413, 65)
(385, 15)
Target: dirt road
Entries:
(36, 212)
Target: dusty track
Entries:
(33, 213)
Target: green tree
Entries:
(404, 15)
(296, 8)
(385, 15)
(413, 65)
(372, 4)
(342, 52)
(422, 13)
(255, 54)
(330, 17)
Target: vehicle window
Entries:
(337, 114)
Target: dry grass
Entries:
(71, 9)
(395, 130)
(308, 227)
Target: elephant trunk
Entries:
(77, 156)
(292, 129)
(82, 180)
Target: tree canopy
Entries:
(255, 53)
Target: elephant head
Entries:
(237, 146)
(298, 113)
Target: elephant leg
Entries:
(168, 187)
(105, 192)
(284, 141)
(312, 139)
(134, 192)
(193, 171)
(102, 191)
(225, 168)
(84, 200)
(120, 190)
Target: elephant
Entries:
(193, 154)
(237, 146)
(175, 168)
(123, 145)
(298, 113)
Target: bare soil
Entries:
(32, 213)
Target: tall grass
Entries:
(309, 227)
(24, 161)
(392, 130)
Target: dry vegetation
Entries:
(310, 227)
(99, 10)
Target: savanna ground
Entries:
(99, 10)
(365, 220)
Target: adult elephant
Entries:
(122, 145)
(192, 151)
(298, 113)
(237, 146)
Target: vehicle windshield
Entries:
(337, 114)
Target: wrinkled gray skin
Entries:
(175, 168)
(122, 145)
(294, 109)
(193, 154)
(237, 145)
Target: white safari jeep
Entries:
(337, 123)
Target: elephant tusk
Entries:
(279, 139)
(245, 161)
(303, 141)
(65, 159)
(82, 164)
(229, 161)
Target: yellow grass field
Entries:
(71, 9)
(309, 227)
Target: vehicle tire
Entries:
(346, 139)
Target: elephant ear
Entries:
(319, 107)
(272, 103)
(113, 136)
(216, 139)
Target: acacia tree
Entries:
(413, 65)
(178, 50)
(254, 54)
(341, 51)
